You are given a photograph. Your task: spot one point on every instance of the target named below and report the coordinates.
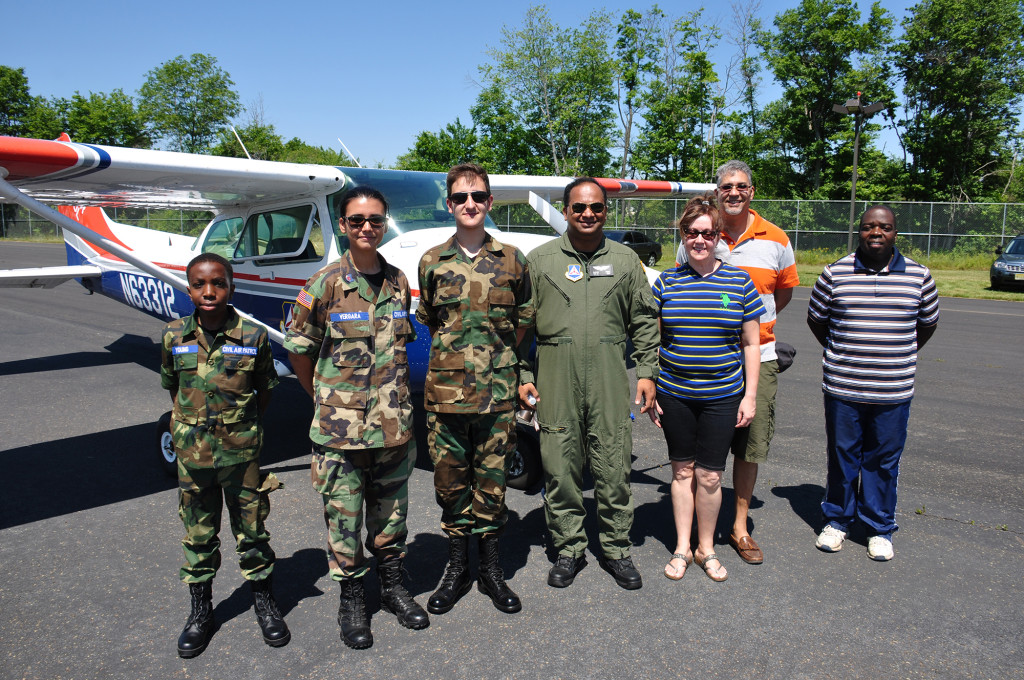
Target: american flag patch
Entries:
(305, 299)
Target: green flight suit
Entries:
(586, 308)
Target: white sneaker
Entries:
(880, 548)
(830, 539)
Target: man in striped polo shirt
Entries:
(872, 311)
(761, 249)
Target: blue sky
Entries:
(373, 73)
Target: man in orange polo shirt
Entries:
(762, 250)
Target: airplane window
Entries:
(416, 200)
(223, 237)
(281, 234)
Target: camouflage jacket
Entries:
(475, 306)
(215, 421)
(358, 343)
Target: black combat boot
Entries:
(396, 599)
(456, 581)
(275, 630)
(199, 627)
(352, 617)
(491, 581)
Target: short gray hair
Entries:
(730, 167)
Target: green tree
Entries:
(47, 118)
(432, 152)
(559, 81)
(261, 141)
(110, 119)
(188, 102)
(963, 71)
(15, 100)
(503, 141)
(681, 104)
(637, 47)
(298, 151)
(822, 54)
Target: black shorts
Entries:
(699, 430)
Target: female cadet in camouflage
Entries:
(347, 345)
(474, 295)
(219, 370)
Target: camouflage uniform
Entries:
(362, 421)
(586, 308)
(217, 437)
(475, 305)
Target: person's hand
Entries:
(745, 414)
(656, 413)
(645, 393)
(528, 392)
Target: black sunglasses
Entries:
(357, 221)
(460, 197)
(580, 208)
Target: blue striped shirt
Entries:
(872, 320)
(701, 326)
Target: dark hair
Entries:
(363, 191)
(697, 207)
(879, 207)
(211, 257)
(469, 171)
(578, 181)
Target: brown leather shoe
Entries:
(748, 551)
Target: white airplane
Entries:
(276, 222)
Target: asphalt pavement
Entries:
(90, 538)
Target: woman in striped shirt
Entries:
(707, 385)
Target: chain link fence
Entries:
(959, 228)
(18, 223)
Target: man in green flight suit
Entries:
(590, 293)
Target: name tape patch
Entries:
(185, 349)
(400, 314)
(350, 316)
(235, 349)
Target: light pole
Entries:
(859, 113)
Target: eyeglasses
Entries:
(741, 187)
(357, 221)
(460, 197)
(580, 208)
(887, 228)
(709, 235)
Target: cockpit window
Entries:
(222, 237)
(416, 200)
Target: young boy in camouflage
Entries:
(474, 293)
(219, 370)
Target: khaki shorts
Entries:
(751, 443)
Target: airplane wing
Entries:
(516, 188)
(45, 277)
(90, 174)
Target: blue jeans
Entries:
(865, 441)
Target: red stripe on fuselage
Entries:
(95, 220)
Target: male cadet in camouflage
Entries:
(590, 294)
(352, 320)
(220, 372)
(474, 294)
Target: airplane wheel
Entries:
(524, 467)
(165, 446)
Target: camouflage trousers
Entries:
(470, 454)
(202, 493)
(350, 479)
